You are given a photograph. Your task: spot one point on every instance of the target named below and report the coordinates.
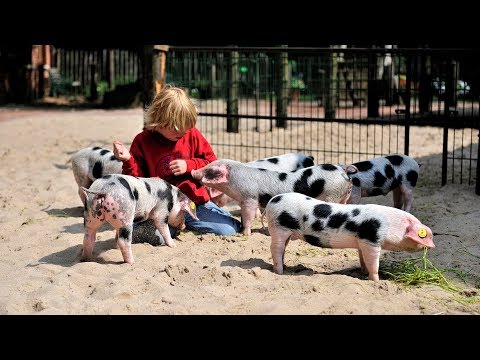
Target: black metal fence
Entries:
(339, 104)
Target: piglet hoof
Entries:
(247, 232)
(277, 270)
(128, 260)
(171, 243)
(374, 277)
(84, 257)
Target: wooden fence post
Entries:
(159, 59)
(373, 91)
(93, 82)
(425, 90)
(282, 89)
(477, 184)
(331, 98)
(153, 68)
(41, 81)
(232, 92)
(111, 69)
(148, 84)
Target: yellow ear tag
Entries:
(422, 233)
(192, 205)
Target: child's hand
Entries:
(178, 167)
(120, 151)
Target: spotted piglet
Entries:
(285, 162)
(90, 164)
(123, 199)
(369, 228)
(253, 187)
(378, 176)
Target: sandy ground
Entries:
(41, 237)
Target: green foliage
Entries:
(408, 272)
(297, 83)
(102, 87)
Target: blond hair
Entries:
(171, 109)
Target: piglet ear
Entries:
(216, 175)
(190, 207)
(421, 234)
(350, 169)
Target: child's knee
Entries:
(226, 230)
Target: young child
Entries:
(170, 147)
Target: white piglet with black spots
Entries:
(397, 173)
(254, 187)
(368, 228)
(123, 199)
(285, 162)
(90, 164)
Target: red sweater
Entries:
(152, 153)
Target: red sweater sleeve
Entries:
(203, 154)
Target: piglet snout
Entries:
(196, 174)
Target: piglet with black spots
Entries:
(90, 164)
(254, 187)
(284, 163)
(397, 173)
(123, 199)
(369, 228)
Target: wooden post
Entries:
(450, 85)
(159, 60)
(477, 184)
(373, 92)
(111, 69)
(425, 90)
(232, 92)
(41, 62)
(408, 101)
(41, 81)
(257, 91)
(153, 70)
(446, 113)
(148, 92)
(331, 84)
(282, 89)
(93, 82)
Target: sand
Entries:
(41, 222)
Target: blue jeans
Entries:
(212, 219)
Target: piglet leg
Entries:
(407, 198)
(362, 263)
(124, 242)
(371, 259)
(249, 210)
(397, 197)
(277, 248)
(165, 232)
(88, 243)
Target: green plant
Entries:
(297, 83)
(408, 272)
(102, 87)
